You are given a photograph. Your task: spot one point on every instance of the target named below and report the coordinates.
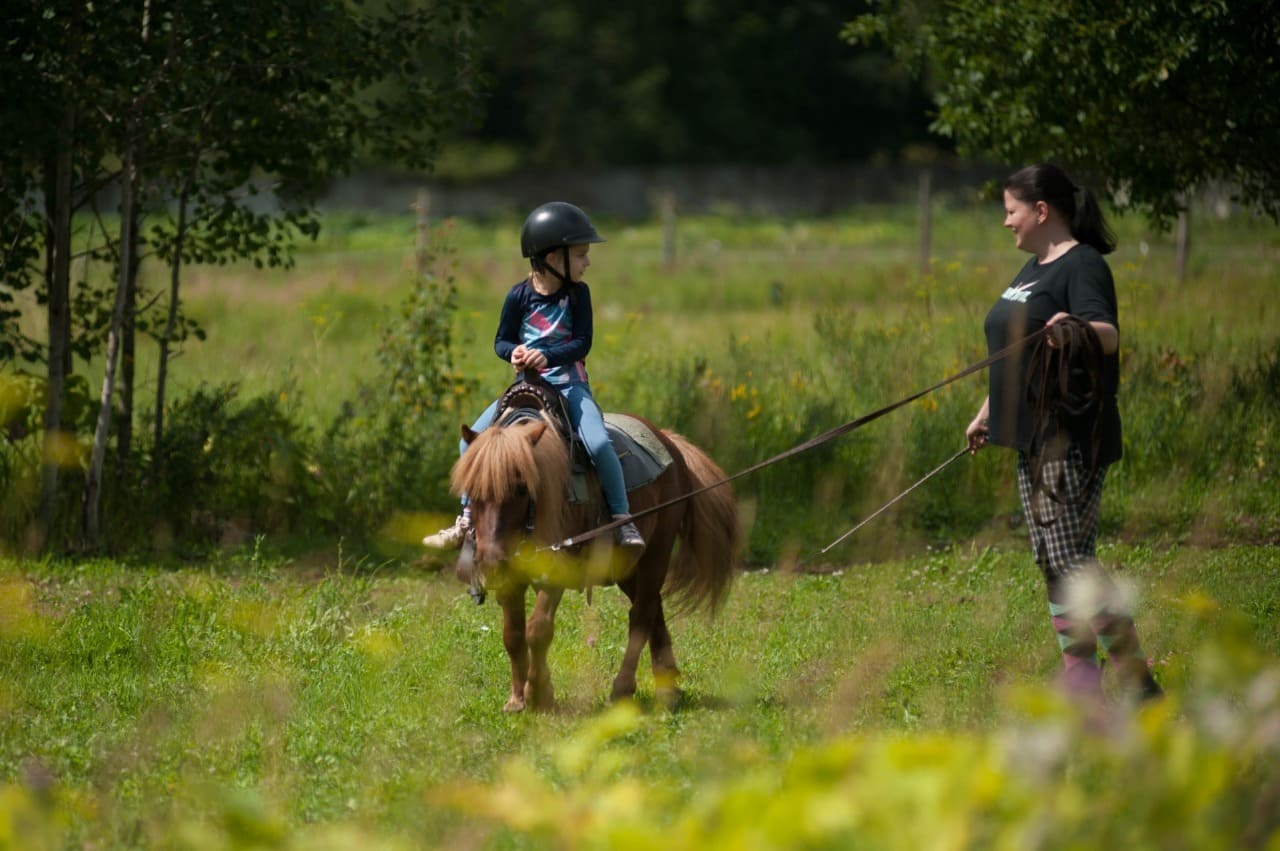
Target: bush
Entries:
(229, 467)
(225, 465)
(22, 450)
(378, 459)
(389, 450)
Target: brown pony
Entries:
(517, 479)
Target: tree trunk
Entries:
(93, 478)
(924, 203)
(1183, 251)
(128, 330)
(171, 325)
(58, 206)
(124, 434)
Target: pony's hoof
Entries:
(669, 698)
(619, 694)
(540, 699)
(514, 704)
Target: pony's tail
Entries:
(710, 547)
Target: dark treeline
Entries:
(649, 82)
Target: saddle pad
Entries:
(642, 455)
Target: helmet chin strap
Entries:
(562, 277)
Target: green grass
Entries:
(329, 693)
(766, 332)
(317, 324)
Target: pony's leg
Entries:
(538, 691)
(624, 684)
(513, 638)
(644, 588)
(666, 675)
(646, 621)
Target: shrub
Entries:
(225, 464)
(390, 449)
(22, 450)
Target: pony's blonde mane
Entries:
(500, 460)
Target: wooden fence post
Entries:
(924, 201)
(423, 208)
(666, 202)
(1184, 243)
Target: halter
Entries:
(1065, 384)
(474, 589)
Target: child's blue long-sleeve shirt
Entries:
(558, 325)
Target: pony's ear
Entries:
(536, 431)
(468, 435)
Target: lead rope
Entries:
(1065, 369)
(935, 471)
(812, 443)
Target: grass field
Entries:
(252, 697)
(317, 324)
(278, 693)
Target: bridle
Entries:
(523, 551)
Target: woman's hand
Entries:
(976, 433)
(1054, 319)
(1108, 334)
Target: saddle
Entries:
(531, 397)
(641, 453)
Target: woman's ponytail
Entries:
(1089, 226)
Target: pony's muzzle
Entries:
(468, 571)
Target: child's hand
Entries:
(523, 357)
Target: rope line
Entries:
(1067, 367)
(811, 443)
(882, 509)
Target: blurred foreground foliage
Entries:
(1198, 770)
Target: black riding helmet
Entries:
(556, 224)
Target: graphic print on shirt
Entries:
(549, 324)
(1020, 293)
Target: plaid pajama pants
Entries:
(1087, 608)
(1065, 546)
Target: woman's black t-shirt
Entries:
(1080, 283)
